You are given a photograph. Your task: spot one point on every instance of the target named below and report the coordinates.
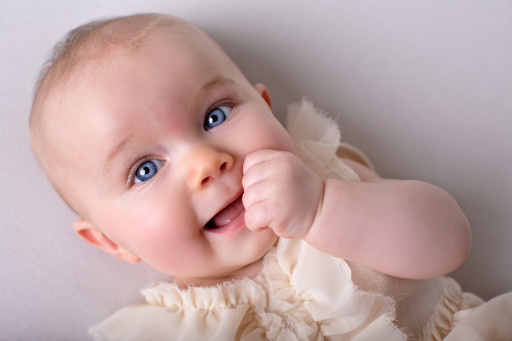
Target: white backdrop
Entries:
(423, 87)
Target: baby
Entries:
(154, 137)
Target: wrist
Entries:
(314, 226)
(332, 229)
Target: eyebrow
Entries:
(215, 82)
(114, 152)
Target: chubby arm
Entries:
(403, 228)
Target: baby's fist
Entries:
(280, 192)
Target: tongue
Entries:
(229, 213)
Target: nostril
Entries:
(205, 180)
(223, 166)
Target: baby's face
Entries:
(159, 136)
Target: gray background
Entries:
(423, 87)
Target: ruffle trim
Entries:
(330, 296)
(317, 139)
(223, 296)
(283, 310)
(452, 306)
(278, 310)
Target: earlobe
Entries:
(262, 90)
(94, 236)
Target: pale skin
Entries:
(194, 171)
(408, 229)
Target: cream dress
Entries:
(305, 294)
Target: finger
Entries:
(276, 166)
(259, 156)
(257, 173)
(255, 193)
(256, 217)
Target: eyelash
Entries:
(219, 103)
(131, 174)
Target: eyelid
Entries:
(225, 102)
(220, 103)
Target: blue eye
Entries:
(216, 117)
(147, 170)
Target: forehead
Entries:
(166, 72)
(194, 53)
(164, 60)
(181, 60)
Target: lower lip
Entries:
(234, 225)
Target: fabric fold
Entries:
(317, 139)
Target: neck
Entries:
(249, 271)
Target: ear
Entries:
(262, 90)
(94, 236)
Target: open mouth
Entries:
(226, 215)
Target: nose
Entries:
(205, 164)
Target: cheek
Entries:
(263, 131)
(152, 224)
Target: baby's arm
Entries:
(402, 228)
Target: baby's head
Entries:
(142, 124)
